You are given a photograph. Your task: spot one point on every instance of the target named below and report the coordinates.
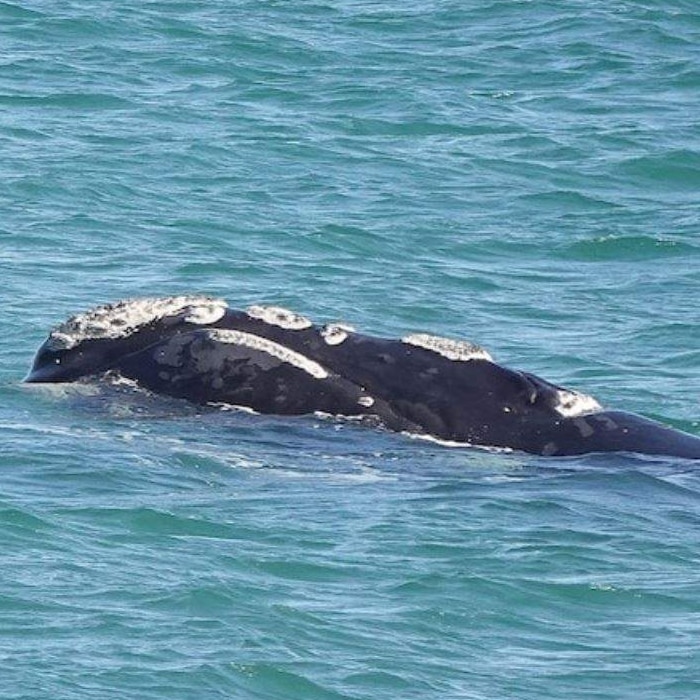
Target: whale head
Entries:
(92, 342)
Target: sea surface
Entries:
(521, 174)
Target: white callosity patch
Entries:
(571, 404)
(459, 350)
(366, 401)
(336, 333)
(277, 316)
(126, 317)
(282, 353)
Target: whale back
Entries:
(272, 360)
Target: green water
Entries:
(525, 175)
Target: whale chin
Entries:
(274, 361)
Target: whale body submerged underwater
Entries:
(277, 362)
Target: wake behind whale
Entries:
(274, 361)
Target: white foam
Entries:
(63, 390)
(278, 316)
(126, 317)
(458, 350)
(255, 342)
(117, 379)
(342, 418)
(455, 443)
(336, 333)
(233, 407)
(571, 404)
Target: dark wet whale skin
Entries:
(408, 388)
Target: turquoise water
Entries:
(525, 175)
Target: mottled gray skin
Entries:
(406, 388)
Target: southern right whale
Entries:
(275, 361)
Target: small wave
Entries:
(568, 200)
(268, 680)
(79, 101)
(12, 11)
(679, 169)
(641, 247)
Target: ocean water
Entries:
(525, 175)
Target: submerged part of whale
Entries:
(275, 361)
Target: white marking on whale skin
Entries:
(458, 350)
(282, 353)
(336, 333)
(278, 316)
(366, 401)
(571, 404)
(125, 317)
